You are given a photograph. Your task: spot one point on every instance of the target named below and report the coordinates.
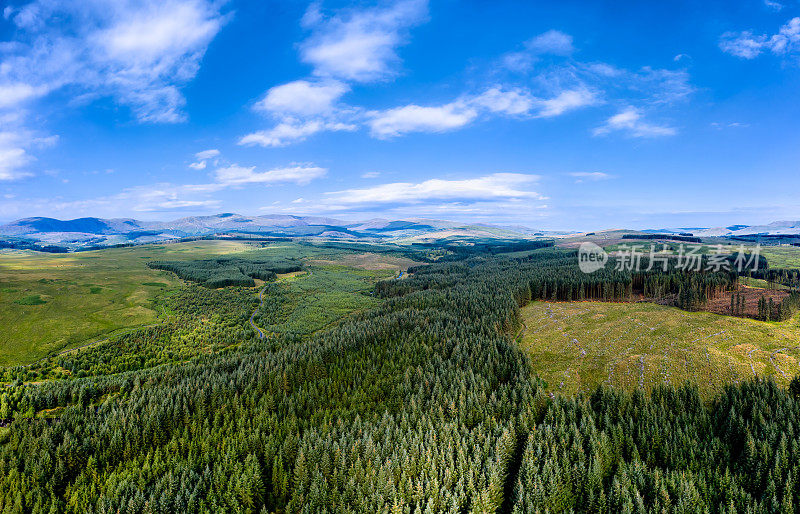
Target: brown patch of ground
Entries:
(369, 261)
(722, 303)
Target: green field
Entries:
(576, 346)
(782, 256)
(53, 302)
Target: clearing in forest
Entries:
(576, 346)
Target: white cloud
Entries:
(788, 38)
(551, 42)
(648, 84)
(371, 174)
(14, 94)
(14, 156)
(416, 118)
(489, 187)
(359, 44)
(776, 6)
(202, 157)
(239, 175)
(630, 121)
(515, 101)
(661, 85)
(165, 196)
(744, 44)
(747, 45)
(12, 163)
(207, 154)
(465, 110)
(137, 52)
(734, 124)
(592, 176)
(566, 101)
(302, 97)
(292, 131)
(306, 107)
(352, 45)
(603, 69)
(301, 109)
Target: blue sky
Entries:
(556, 115)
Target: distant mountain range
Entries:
(776, 228)
(98, 232)
(90, 232)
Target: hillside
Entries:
(96, 232)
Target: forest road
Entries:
(260, 304)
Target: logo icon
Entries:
(591, 257)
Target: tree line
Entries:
(223, 272)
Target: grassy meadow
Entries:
(576, 346)
(54, 302)
(782, 256)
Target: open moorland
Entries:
(54, 302)
(577, 346)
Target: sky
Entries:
(571, 115)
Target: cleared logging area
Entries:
(576, 346)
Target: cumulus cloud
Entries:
(303, 108)
(137, 52)
(559, 88)
(748, 45)
(12, 163)
(488, 187)
(302, 97)
(351, 45)
(359, 44)
(630, 121)
(416, 118)
(14, 156)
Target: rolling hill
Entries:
(92, 232)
